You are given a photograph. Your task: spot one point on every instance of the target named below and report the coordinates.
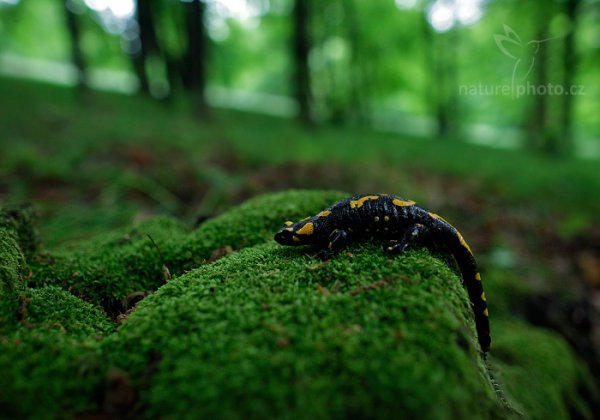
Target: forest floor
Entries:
(99, 161)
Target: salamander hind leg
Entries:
(337, 240)
(416, 234)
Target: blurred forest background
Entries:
(487, 111)
(447, 68)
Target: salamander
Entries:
(402, 224)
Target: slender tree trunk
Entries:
(429, 66)
(194, 74)
(439, 50)
(442, 75)
(538, 117)
(74, 30)
(148, 43)
(569, 73)
(357, 111)
(301, 45)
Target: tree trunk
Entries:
(442, 80)
(429, 66)
(301, 45)
(539, 138)
(569, 73)
(194, 74)
(440, 51)
(357, 78)
(148, 43)
(77, 56)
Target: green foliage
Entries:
(358, 68)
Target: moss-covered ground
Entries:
(263, 331)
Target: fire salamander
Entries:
(402, 224)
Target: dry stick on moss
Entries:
(166, 273)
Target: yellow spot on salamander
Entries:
(330, 245)
(306, 218)
(460, 237)
(389, 248)
(485, 312)
(402, 203)
(386, 218)
(464, 243)
(355, 204)
(288, 223)
(289, 229)
(483, 296)
(376, 219)
(295, 239)
(478, 277)
(307, 229)
(437, 216)
(324, 213)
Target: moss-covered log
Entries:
(267, 331)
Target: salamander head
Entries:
(308, 231)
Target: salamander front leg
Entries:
(337, 240)
(415, 235)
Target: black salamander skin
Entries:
(402, 224)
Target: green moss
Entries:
(52, 308)
(253, 222)
(51, 362)
(105, 269)
(13, 269)
(540, 372)
(273, 332)
(48, 374)
(269, 331)
(22, 220)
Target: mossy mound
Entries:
(541, 373)
(13, 269)
(51, 308)
(51, 362)
(48, 374)
(266, 331)
(251, 223)
(273, 332)
(22, 221)
(107, 268)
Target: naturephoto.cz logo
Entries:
(524, 55)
